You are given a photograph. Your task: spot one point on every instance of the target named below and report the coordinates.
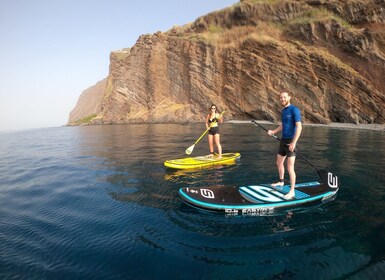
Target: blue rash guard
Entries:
(290, 115)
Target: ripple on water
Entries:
(97, 202)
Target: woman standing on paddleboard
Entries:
(212, 120)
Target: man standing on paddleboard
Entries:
(291, 128)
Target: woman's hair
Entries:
(213, 105)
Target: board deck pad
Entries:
(260, 198)
(201, 161)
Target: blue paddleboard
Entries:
(260, 198)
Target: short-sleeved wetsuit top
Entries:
(290, 115)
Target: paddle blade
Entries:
(190, 149)
(329, 179)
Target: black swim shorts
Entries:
(214, 130)
(283, 149)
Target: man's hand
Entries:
(292, 147)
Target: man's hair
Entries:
(288, 94)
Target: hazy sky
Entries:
(52, 50)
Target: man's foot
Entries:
(289, 195)
(278, 184)
(210, 155)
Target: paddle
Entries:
(190, 149)
(327, 177)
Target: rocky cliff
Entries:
(329, 54)
(89, 104)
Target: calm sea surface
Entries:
(97, 203)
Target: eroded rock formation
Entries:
(329, 54)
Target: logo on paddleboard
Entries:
(207, 193)
(250, 211)
(332, 180)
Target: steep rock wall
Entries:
(89, 104)
(329, 54)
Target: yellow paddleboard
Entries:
(201, 161)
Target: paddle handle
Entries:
(280, 140)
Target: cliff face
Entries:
(88, 105)
(329, 54)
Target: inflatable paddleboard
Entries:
(201, 161)
(261, 199)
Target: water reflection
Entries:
(129, 161)
(100, 197)
(212, 174)
(130, 158)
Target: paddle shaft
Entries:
(280, 140)
(202, 135)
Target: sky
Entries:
(52, 50)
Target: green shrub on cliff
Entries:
(85, 120)
(215, 28)
(316, 15)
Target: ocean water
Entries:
(96, 202)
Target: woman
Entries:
(212, 120)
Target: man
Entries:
(291, 128)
